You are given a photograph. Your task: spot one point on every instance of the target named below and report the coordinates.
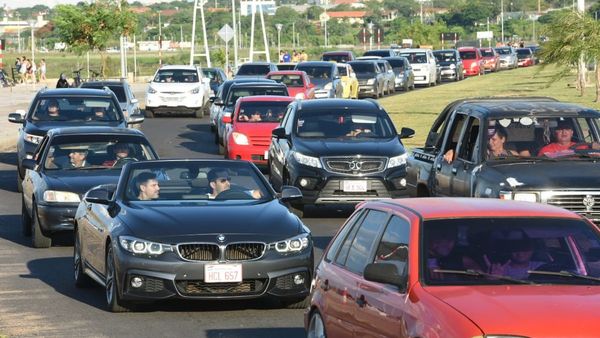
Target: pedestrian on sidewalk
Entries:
(43, 70)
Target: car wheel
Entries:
(316, 327)
(38, 239)
(199, 113)
(25, 220)
(113, 300)
(149, 113)
(19, 182)
(81, 279)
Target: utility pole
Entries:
(18, 16)
(235, 36)
(160, 40)
(122, 49)
(293, 35)
(502, 19)
(582, 66)
(279, 27)
(199, 4)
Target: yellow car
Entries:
(349, 81)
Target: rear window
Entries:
(236, 93)
(290, 80)
(363, 67)
(336, 57)
(260, 70)
(118, 90)
(487, 52)
(176, 76)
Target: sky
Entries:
(52, 3)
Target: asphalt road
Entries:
(38, 296)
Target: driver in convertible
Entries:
(220, 181)
(121, 151)
(563, 134)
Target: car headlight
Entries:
(370, 81)
(300, 96)
(452, 66)
(307, 160)
(294, 244)
(143, 247)
(152, 90)
(474, 64)
(240, 138)
(33, 138)
(397, 161)
(195, 90)
(60, 196)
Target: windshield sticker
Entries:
(514, 182)
(300, 123)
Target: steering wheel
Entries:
(121, 162)
(580, 146)
(233, 195)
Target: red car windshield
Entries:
(468, 55)
(290, 80)
(262, 112)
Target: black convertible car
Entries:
(192, 229)
(66, 164)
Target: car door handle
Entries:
(454, 171)
(438, 167)
(361, 301)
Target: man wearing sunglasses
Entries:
(220, 181)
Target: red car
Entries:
(525, 57)
(472, 61)
(248, 134)
(297, 82)
(491, 59)
(458, 267)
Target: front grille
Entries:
(585, 203)
(244, 251)
(200, 288)
(153, 285)
(334, 188)
(355, 165)
(260, 141)
(199, 251)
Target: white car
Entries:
(424, 65)
(177, 88)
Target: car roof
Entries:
(535, 106)
(103, 83)
(316, 63)
(286, 72)
(413, 50)
(98, 130)
(338, 103)
(260, 63)
(243, 80)
(75, 92)
(265, 98)
(338, 52)
(258, 84)
(436, 208)
(186, 67)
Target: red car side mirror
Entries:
(226, 119)
(311, 85)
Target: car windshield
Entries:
(493, 250)
(209, 181)
(342, 71)
(96, 152)
(236, 93)
(487, 52)
(76, 108)
(468, 55)
(118, 90)
(556, 138)
(381, 53)
(363, 67)
(341, 58)
(350, 124)
(210, 73)
(396, 63)
(417, 57)
(525, 52)
(290, 80)
(503, 51)
(316, 72)
(445, 56)
(176, 76)
(262, 112)
(260, 70)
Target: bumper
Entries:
(399, 82)
(365, 89)
(525, 63)
(254, 154)
(177, 101)
(323, 187)
(55, 218)
(449, 74)
(472, 71)
(324, 94)
(171, 277)
(422, 79)
(490, 66)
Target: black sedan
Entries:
(192, 229)
(68, 162)
(65, 107)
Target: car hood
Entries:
(293, 91)
(41, 127)
(366, 76)
(523, 310)
(202, 221)
(469, 62)
(80, 181)
(262, 77)
(175, 87)
(262, 129)
(546, 174)
(446, 63)
(346, 147)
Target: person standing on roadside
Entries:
(23, 70)
(43, 70)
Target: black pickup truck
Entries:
(533, 149)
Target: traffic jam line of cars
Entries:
(414, 267)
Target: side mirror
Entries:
(289, 193)
(16, 118)
(406, 133)
(134, 101)
(100, 195)
(28, 163)
(135, 119)
(218, 102)
(212, 99)
(385, 273)
(226, 118)
(279, 133)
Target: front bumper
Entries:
(422, 79)
(449, 73)
(399, 82)
(56, 217)
(472, 71)
(255, 154)
(324, 94)
(174, 101)
(367, 89)
(170, 277)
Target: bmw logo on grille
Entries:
(589, 202)
(221, 238)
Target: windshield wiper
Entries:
(563, 273)
(470, 272)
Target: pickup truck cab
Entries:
(458, 158)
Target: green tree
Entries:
(313, 12)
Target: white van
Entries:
(424, 65)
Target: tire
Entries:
(19, 182)
(81, 279)
(316, 327)
(25, 220)
(149, 113)
(113, 299)
(199, 113)
(38, 239)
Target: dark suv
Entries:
(338, 56)
(338, 151)
(65, 107)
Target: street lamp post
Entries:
(32, 25)
(279, 27)
(502, 19)
(370, 25)
(18, 16)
